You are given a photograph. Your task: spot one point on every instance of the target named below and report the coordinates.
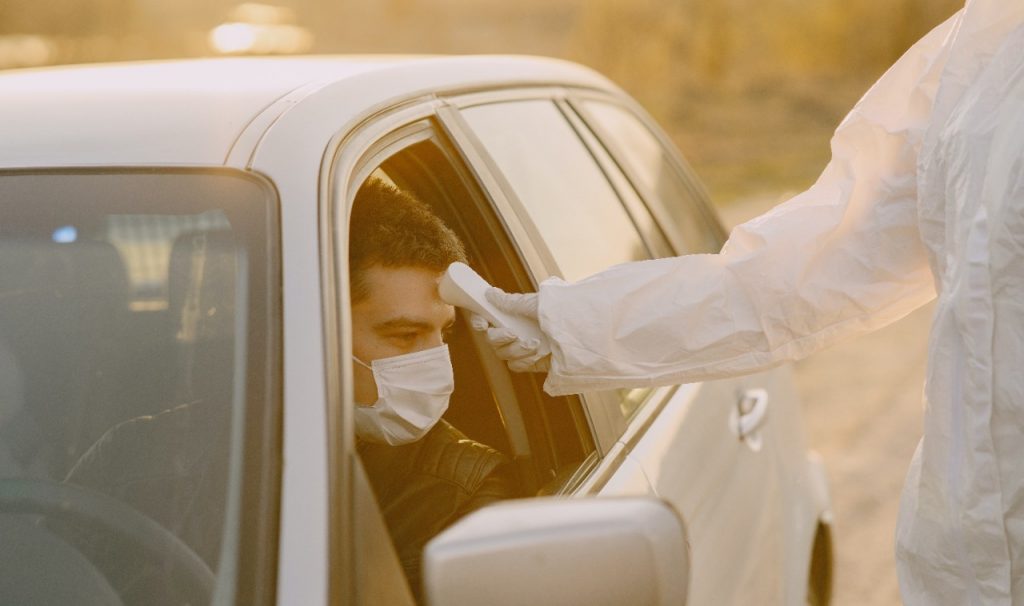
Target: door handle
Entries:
(748, 415)
(752, 408)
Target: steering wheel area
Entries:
(96, 511)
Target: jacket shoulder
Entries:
(449, 454)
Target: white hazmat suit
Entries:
(924, 195)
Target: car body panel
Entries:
(192, 112)
(731, 496)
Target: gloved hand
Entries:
(521, 354)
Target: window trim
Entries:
(507, 95)
(389, 145)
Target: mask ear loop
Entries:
(363, 364)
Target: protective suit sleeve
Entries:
(842, 258)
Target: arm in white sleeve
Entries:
(843, 258)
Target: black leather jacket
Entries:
(425, 486)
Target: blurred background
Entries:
(750, 90)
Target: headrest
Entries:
(202, 283)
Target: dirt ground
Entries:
(862, 404)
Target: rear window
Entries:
(137, 355)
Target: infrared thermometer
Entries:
(462, 287)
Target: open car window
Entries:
(543, 439)
(507, 410)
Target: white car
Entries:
(175, 392)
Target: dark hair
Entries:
(391, 228)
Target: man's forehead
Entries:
(410, 278)
(403, 296)
(412, 322)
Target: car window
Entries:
(509, 439)
(506, 410)
(134, 348)
(657, 176)
(569, 200)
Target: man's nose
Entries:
(435, 339)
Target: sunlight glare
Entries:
(233, 37)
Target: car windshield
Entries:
(132, 310)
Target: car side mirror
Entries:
(591, 551)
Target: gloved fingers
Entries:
(519, 365)
(499, 336)
(478, 322)
(541, 363)
(520, 354)
(517, 349)
(520, 304)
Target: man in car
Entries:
(425, 473)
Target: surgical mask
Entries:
(413, 391)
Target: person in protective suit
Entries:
(923, 197)
(426, 474)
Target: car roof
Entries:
(190, 112)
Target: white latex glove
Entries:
(521, 354)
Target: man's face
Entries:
(403, 313)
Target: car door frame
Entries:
(359, 532)
(352, 155)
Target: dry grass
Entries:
(750, 90)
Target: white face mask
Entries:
(413, 391)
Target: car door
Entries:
(673, 193)
(548, 439)
(343, 552)
(579, 209)
(668, 186)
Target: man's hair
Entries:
(391, 228)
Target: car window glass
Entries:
(569, 200)
(127, 332)
(657, 175)
(145, 242)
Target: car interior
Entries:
(118, 334)
(546, 437)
